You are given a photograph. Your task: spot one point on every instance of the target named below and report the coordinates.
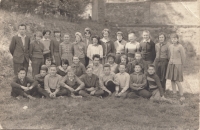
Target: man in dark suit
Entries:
(19, 49)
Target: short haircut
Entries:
(66, 34)
(21, 69)
(137, 64)
(74, 57)
(80, 35)
(151, 65)
(57, 32)
(96, 56)
(119, 33)
(123, 56)
(106, 65)
(131, 33)
(65, 61)
(111, 55)
(70, 70)
(38, 33)
(49, 59)
(87, 31)
(122, 64)
(45, 31)
(162, 33)
(53, 65)
(43, 67)
(146, 31)
(106, 30)
(138, 53)
(89, 66)
(174, 35)
(97, 37)
(22, 25)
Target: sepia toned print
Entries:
(99, 64)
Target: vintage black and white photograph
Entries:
(100, 64)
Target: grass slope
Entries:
(85, 114)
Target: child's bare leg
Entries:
(180, 88)
(173, 86)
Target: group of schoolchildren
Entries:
(91, 66)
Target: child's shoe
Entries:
(182, 98)
(174, 96)
(73, 96)
(30, 97)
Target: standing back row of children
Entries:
(127, 69)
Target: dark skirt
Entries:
(161, 68)
(175, 72)
(57, 58)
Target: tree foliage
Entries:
(68, 8)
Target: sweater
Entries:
(90, 81)
(148, 50)
(27, 82)
(73, 83)
(176, 54)
(36, 50)
(79, 69)
(46, 43)
(40, 80)
(154, 83)
(139, 79)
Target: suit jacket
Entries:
(18, 51)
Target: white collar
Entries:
(146, 41)
(105, 40)
(45, 39)
(61, 68)
(19, 35)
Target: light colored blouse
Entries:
(131, 48)
(92, 50)
(120, 46)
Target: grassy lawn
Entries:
(95, 113)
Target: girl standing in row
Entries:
(175, 66)
(54, 46)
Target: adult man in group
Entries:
(19, 49)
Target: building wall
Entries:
(148, 12)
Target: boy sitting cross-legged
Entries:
(72, 83)
(106, 81)
(91, 82)
(122, 78)
(22, 85)
(39, 79)
(138, 84)
(52, 83)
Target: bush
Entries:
(48, 8)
